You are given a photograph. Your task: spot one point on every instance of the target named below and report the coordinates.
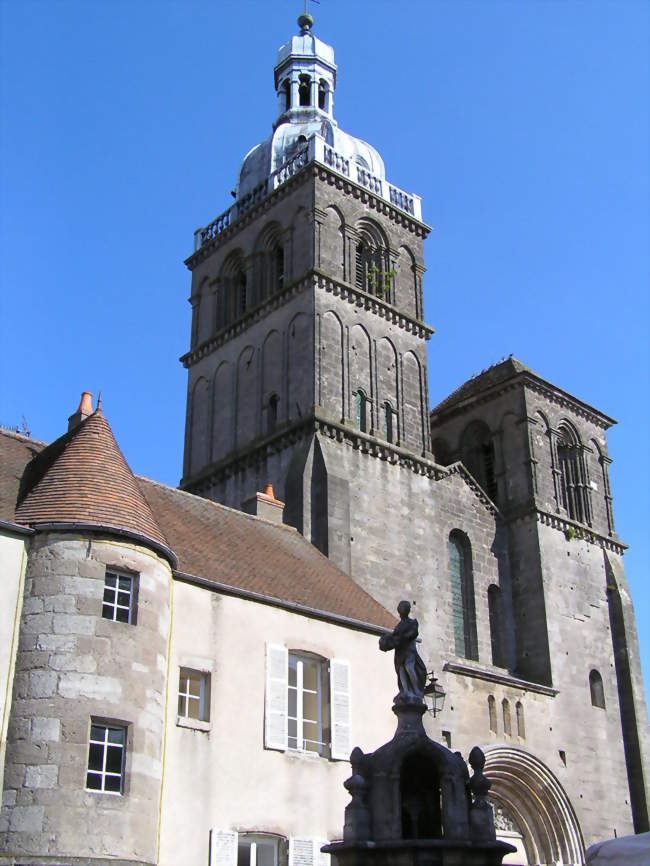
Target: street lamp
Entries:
(434, 695)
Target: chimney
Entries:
(85, 409)
(265, 505)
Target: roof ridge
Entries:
(14, 434)
(218, 505)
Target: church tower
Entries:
(308, 339)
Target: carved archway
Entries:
(529, 792)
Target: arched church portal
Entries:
(532, 810)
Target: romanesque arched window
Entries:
(322, 95)
(507, 723)
(477, 453)
(371, 273)
(233, 294)
(573, 490)
(390, 422)
(304, 90)
(242, 292)
(521, 725)
(462, 595)
(492, 713)
(496, 625)
(362, 410)
(278, 267)
(596, 690)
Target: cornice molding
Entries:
(503, 678)
(373, 304)
(314, 278)
(320, 422)
(527, 379)
(571, 529)
(349, 187)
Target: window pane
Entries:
(94, 782)
(293, 701)
(292, 670)
(243, 853)
(97, 733)
(181, 705)
(266, 853)
(109, 595)
(111, 579)
(124, 598)
(125, 583)
(310, 731)
(95, 757)
(193, 705)
(310, 706)
(195, 684)
(122, 614)
(293, 739)
(114, 759)
(113, 783)
(310, 675)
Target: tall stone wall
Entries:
(72, 667)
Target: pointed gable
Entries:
(83, 477)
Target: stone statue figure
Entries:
(410, 669)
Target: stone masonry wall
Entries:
(73, 666)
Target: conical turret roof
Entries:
(83, 477)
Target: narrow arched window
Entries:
(462, 596)
(241, 292)
(596, 689)
(361, 407)
(390, 422)
(304, 90)
(496, 625)
(521, 725)
(492, 713)
(286, 90)
(507, 724)
(360, 266)
(278, 267)
(272, 413)
(477, 453)
(572, 475)
(322, 95)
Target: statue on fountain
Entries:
(409, 667)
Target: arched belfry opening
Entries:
(420, 798)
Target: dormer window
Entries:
(304, 91)
(286, 91)
(322, 95)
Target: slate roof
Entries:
(494, 375)
(16, 451)
(83, 477)
(229, 547)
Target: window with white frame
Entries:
(194, 695)
(308, 716)
(257, 849)
(307, 704)
(230, 848)
(106, 757)
(119, 597)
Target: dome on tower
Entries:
(305, 80)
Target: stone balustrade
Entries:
(316, 150)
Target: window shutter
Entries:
(276, 698)
(321, 859)
(340, 709)
(223, 848)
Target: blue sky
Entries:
(523, 125)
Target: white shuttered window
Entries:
(340, 709)
(223, 848)
(276, 697)
(306, 852)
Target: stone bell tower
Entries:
(307, 350)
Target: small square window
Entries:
(106, 754)
(118, 604)
(194, 695)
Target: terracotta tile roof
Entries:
(83, 477)
(16, 451)
(249, 553)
